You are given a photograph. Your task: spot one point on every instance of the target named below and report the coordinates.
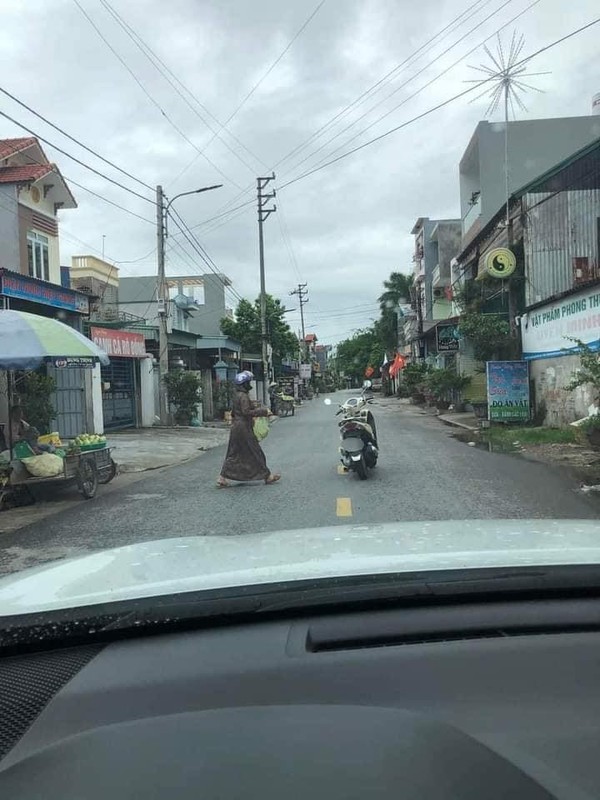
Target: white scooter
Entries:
(358, 450)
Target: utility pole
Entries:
(263, 214)
(302, 293)
(162, 293)
(163, 306)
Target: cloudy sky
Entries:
(342, 229)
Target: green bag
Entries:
(261, 428)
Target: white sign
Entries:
(548, 331)
(305, 372)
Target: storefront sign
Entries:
(447, 338)
(508, 391)
(499, 262)
(119, 344)
(548, 331)
(35, 291)
(305, 372)
(78, 362)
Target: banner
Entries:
(548, 330)
(118, 343)
(508, 391)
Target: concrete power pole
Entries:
(302, 292)
(263, 214)
(163, 306)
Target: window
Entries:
(38, 258)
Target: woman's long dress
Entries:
(245, 460)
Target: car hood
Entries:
(169, 566)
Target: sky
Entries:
(256, 81)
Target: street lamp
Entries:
(162, 211)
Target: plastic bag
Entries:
(47, 465)
(261, 428)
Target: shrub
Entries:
(185, 393)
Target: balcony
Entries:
(472, 215)
(440, 277)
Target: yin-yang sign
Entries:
(500, 262)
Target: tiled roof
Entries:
(310, 337)
(25, 173)
(8, 147)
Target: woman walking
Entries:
(245, 460)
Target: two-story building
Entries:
(32, 194)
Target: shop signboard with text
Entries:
(23, 287)
(508, 391)
(305, 372)
(447, 338)
(118, 343)
(549, 330)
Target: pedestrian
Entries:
(245, 460)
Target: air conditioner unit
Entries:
(438, 294)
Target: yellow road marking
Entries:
(343, 507)
(342, 470)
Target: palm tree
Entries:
(397, 288)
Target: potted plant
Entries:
(35, 393)
(223, 399)
(185, 394)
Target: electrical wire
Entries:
(73, 139)
(150, 97)
(74, 158)
(429, 111)
(274, 64)
(181, 89)
(406, 82)
(378, 85)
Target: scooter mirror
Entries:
(327, 401)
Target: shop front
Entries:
(72, 398)
(124, 382)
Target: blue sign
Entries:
(508, 391)
(13, 284)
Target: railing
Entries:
(471, 216)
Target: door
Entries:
(69, 401)
(118, 400)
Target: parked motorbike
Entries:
(359, 450)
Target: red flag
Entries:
(399, 363)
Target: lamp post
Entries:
(162, 211)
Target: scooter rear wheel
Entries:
(361, 469)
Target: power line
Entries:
(178, 87)
(197, 247)
(250, 202)
(75, 159)
(341, 113)
(148, 95)
(376, 86)
(405, 83)
(442, 104)
(274, 64)
(73, 139)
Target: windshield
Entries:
(294, 291)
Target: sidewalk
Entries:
(151, 448)
(466, 420)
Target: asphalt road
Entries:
(424, 473)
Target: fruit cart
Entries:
(85, 466)
(27, 342)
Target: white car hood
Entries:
(169, 566)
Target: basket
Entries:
(23, 450)
(85, 448)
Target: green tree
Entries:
(245, 328)
(354, 355)
(396, 288)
